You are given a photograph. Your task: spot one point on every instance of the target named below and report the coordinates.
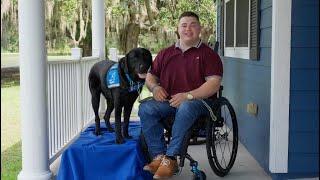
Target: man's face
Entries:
(189, 29)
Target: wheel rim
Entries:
(223, 145)
(225, 139)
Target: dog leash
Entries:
(213, 117)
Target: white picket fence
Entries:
(69, 102)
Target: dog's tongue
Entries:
(142, 76)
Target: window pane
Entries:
(230, 23)
(242, 23)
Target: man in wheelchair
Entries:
(181, 76)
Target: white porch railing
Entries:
(69, 102)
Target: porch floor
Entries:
(245, 167)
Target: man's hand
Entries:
(177, 99)
(159, 93)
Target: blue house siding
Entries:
(241, 88)
(247, 81)
(304, 89)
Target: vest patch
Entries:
(112, 77)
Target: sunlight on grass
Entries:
(11, 163)
(10, 116)
(10, 132)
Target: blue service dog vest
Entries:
(113, 79)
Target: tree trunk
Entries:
(205, 34)
(130, 33)
(150, 15)
(129, 37)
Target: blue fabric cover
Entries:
(93, 157)
(112, 77)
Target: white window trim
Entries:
(236, 52)
(280, 86)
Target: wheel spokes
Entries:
(223, 137)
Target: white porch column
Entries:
(33, 78)
(280, 86)
(98, 37)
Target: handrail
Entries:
(69, 107)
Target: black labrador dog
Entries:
(120, 83)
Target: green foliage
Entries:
(13, 41)
(153, 43)
(9, 28)
(112, 41)
(118, 10)
(168, 17)
(14, 2)
(66, 12)
(69, 9)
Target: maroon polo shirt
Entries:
(179, 71)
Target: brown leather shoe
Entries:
(154, 165)
(166, 169)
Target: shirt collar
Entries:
(177, 45)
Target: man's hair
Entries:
(189, 14)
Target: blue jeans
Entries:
(152, 111)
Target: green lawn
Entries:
(10, 116)
(10, 132)
(11, 162)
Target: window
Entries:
(237, 24)
(229, 24)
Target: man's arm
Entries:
(151, 81)
(207, 89)
(159, 93)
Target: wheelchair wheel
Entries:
(222, 138)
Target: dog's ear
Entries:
(122, 62)
(122, 67)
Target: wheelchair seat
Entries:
(198, 129)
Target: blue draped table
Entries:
(93, 157)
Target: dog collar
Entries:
(134, 86)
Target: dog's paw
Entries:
(126, 135)
(97, 133)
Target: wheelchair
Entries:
(221, 138)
